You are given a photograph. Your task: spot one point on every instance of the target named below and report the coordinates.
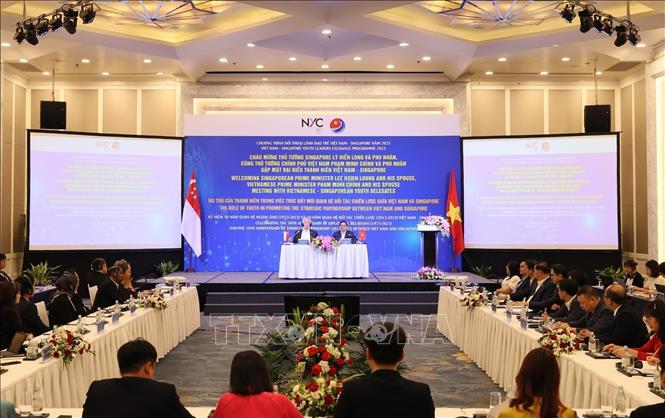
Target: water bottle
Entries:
(79, 325)
(626, 359)
(656, 378)
(620, 403)
(132, 304)
(524, 311)
(592, 343)
(117, 307)
(98, 316)
(37, 399)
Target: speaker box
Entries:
(597, 118)
(53, 115)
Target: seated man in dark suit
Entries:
(30, 321)
(570, 310)
(629, 328)
(658, 409)
(97, 274)
(306, 232)
(4, 277)
(136, 393)
(344, 233)
(384, 393)
(528, 284)
(598, 320)
(108, 291)
(541, 298)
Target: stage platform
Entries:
(243, 293)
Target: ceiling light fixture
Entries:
(641, 45)
(85, 61)
(426, 58)
(56, 22)
(403, 44)
(489, 72)
(105, 73)
(259, 66)
(31, 34)
(622, 35)
(264, 79)
(147, 61)
(586, 20)
(88, 13)
(160, 73)
(46, 73)
(70, 20)
(5, 45)
(292, 59)
(250, 45)
(544, 73)
(357, 58)
(599, 72)
(565, 59)
(633, 36)
(65, 16)
(42, 26)
(23, 61)
(390, 66)
(592, 17)
(568, 12)
(326, 31)
(223, 60)
(503, 59)
(325, 66)
(324, 79)
(19, 36)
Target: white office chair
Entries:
(93, 292)
(41, 311)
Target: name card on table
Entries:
(452, 287)
(132, 308)
(100, 326)
(461, 291)
(47, 352)
(493, 305)
(303, 242)
(524, 322)
(509, 314)
(115, 317)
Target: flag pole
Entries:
(190, 269)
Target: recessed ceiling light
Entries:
(555, 45)
(6, 44)
(390, 66)
(641, 45)
(357, 58)
(426, 58)
(105, 73)
(264, 79)
(85, 61)
(224, 60)
(324, 79)
(489, 72)
(250, 45)
(325, 66)
(403, 44)
(23, 60)
(147, 61)
(503, 59)
(599, 72)
(544, 73)
(292, 59)
(160, 73)
(46, 73)
(565, 59)
(259, 66)
(326, 31)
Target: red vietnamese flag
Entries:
(454, 215)
(191, 217)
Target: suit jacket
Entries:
(638, 280)
(133, 397)
(4, 277)
(107, 293)
(574, 314)
(296, 236)
(600, 322)
(384, 394)
(541, 298)
(629, 329)
(10, 324)
(30, 321)
(337, 235)
(95, 278)
(649, 411)
(524, 289)
(61, 310)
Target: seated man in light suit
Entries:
(344, 233)
(306, 232)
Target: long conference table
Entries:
(65, 386)
(498, 346)
(306, 262)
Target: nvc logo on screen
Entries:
(337, 125)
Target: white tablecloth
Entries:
(498, 346)
(66, 386)
(306, 262)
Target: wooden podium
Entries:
(429, 244)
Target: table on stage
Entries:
(65, 386)
(498, 346)
(306, 262)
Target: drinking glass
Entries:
(25, 404)
(495, 399)
(606, 411)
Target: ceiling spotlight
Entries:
(489, 72)
(105, 73)
(565, 59)
(5, 45)
(426, 58)
(88, 13)
(31, 34)
(292, 59)
(622, 35)
(259, 66)
(633, 36)
(56, 22)
(325, 66)
(85, 61)
(357, 58)
(224, 60)
(23, 61)
(19, 36)
(608, 27)
(390, 66)
(544, 73)
(147, 61)
(586, 21)
(568, 13)
(326, 32)
(70, 20)
(403, 44)
(250, 45)
(598, 23)
(503, 59)
(42, 26)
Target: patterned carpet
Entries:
(199, 366)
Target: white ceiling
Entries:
(371, 30)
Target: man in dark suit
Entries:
(4, 277)
(344, 233)
(656, 410)
(598, 320)
(629, 328)
(108, 291)
(97, 274)
(570, 310)
(306, 232)
(30, 321)
(528, 284)
(384, 393)
(136, 393)
(545, 288)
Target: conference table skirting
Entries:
(307, 262)
(65, 386)
(498, 346)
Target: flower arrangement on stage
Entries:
(474, 299)
(67, 345)
(155, 300)
(430, 273)
(438, 221)
(326, 243)
(560, 341)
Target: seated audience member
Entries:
(655, 410)
(76, 296)
(4, 277)
(306, 232)
(126, 288)
(661, 268)
(108, 292)
(384, 392)
(512, 279)
(558, 272)
(598, 320)
(541, 298)
(62, 309)
(7, 409)
(629, 329)
(537, 389)
(652, 277)
(97, 272)
(633, 277)
(251, 394)
(10, 320)
(580, 278)
(528, 284)
(344, 232)
(136, 393)
(570, 310)
(31, 323)
(654, 315)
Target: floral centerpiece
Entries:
(67, 345)
(474, 299)
(156, 301)
(437, 221)
(326, 243)
(430, 273)
(560, 341)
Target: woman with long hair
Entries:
(63, 307)
(251, 393)
(10, 320)
(537, 389)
